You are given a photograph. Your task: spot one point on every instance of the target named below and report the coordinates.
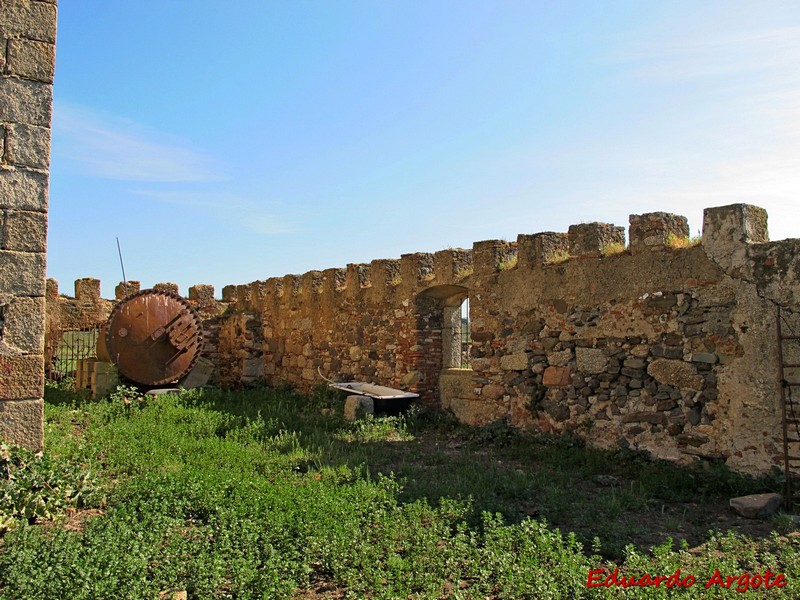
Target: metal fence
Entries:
(466, 335)
(70, 346)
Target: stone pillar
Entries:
(169, 287)
(589, 239)
(126, 288)
(727, 230)
(654, 231)
(27, 63)
(540, 248)
(490, 256)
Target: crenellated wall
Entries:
(665, 345)
(662, 345)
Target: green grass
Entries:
(257, 494)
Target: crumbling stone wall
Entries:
(27, 62)
(663, 345)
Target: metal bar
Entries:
(121, 264)
(785, 425)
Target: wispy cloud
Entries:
(113, 147)
(754, 52)
(727, 129)
(260, 217)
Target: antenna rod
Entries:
(124, 279)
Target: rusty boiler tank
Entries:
(154, 338)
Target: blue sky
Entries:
(225, 142)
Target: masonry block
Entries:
(292, 285)
(23, 190)
(201, 293)
(103, 378)
(24, 231)
(22, 423)
(22, 324)
(170, 287)
(743, 223)
(358, 275)
(539, 248)
(27, 19)
(386, 272)
(590, 239)
(452, 264)
(87, 290)
(31, 59)
(727, 230)
(25, 101)
(489, 256)
(126, 288)
(356, 407)
(652, 231)
(22, 273)
(243, 296)
(334, 279)
(51, 289)
(229, 293)
(199, 375)
(274, 287)
(556, 376)
(27, 146)
(417, 267)
(312, 281)
(259, 291)
(21, 377)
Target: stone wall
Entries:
(27, 62)
(664, 346)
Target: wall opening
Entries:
(449, 305)
(456, 338)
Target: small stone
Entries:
(756, 506)
(591, 360)
(514, 362)
(556, 376)
(355, 407)
(665, 405)
(634, 363)
(704, 357)
(692, 439)
(559, 359)
(677, 373)
(607, 480)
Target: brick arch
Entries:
(437, 317)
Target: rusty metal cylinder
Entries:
(153, 337)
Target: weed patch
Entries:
(259, 494)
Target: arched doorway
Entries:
(443, 336)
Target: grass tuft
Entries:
(682, 242)
(613, 249)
